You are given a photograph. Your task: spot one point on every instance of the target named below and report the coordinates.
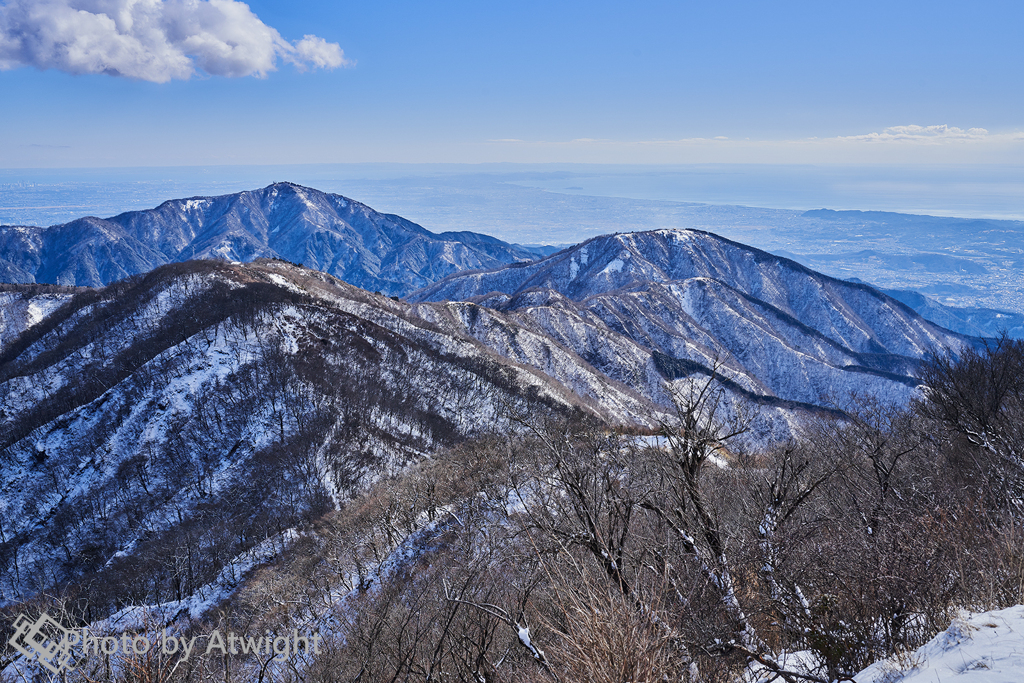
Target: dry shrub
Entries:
(600, 635)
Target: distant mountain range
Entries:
(378, 252)
(326, 232)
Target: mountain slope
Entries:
(327, 232)
(261, 393)
(690, 297)
(228, 401)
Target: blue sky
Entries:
(602, 82)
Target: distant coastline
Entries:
(440, 194)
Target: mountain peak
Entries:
(327, 232)
(776, 328)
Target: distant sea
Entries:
(549, 203)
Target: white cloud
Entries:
(317, 52)
(921, 134)
(152, 40)
(909, 144)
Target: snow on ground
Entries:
(18, 313)
(614, 266)
(985, 647)
(285, 282)
(982, 647)
(142, 617)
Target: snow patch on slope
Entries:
(615, 266)
(141, 617)
(18, 313)
(985, 647)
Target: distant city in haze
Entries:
(546, 203)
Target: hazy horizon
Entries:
(448, 196)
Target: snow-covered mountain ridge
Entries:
(327, 232)
(131, 411)
(146, 401)
(134, 412)
(691, 299)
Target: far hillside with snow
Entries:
(327, 232)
